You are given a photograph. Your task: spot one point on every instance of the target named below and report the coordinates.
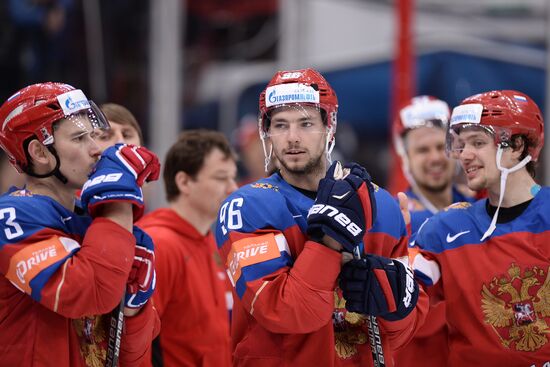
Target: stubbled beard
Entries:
(313, 165)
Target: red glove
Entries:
(143, 163)
(143, 267)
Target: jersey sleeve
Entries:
(283, 280)
(138, 333)
(71, 276)
(423, 253)
(389, 238)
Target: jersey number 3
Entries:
(13, 229)
(230, 212)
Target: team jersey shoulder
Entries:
(23, 214)
(388, 214)
(458, 205)
(255, 206)
(440, 231)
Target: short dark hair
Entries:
(188, 154)
(514, 143)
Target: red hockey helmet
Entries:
(503, 113)
(304, 87)
(32, 111)
(422, 111)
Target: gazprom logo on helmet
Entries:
(291, 93)
(467, 114)
(73, 101)
(423, 111)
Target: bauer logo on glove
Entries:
(379, 286)
(340, 218)
(118, 176)
(344, 208)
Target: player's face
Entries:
(213, 183)
(298, 135)
(478, 159)
(77, 149)
(429, 165)
(118, 133)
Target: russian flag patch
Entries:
(520, 98)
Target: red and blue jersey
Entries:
(60, 273)
(419, 212)
(288, 308)
(497, 291)
(434, 332)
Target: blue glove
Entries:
(142, 280)
(378, 286)
(344, 208)
(118, 176)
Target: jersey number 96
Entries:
(230, 216)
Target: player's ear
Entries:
(39, 154)
(182, 180)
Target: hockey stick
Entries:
(373, 329)
(115, 334)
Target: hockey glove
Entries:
(118, 176)
(343, 208)
(140, 298)
(143, 266)
(367, 196)
(142, 279)
(379, 286)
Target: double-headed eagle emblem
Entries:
(517, 307)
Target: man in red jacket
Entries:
(192, 295)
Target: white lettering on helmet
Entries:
(73, 101)
(294, 75)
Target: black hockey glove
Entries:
(378, 286)
(344, 208)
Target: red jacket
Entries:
(191, 293)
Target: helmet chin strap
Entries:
(54, 172)
(330, 142)
(267, 157)
(504, 172)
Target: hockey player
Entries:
(420, 141)
(281, 239)
(490, 261)
(63, 273)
